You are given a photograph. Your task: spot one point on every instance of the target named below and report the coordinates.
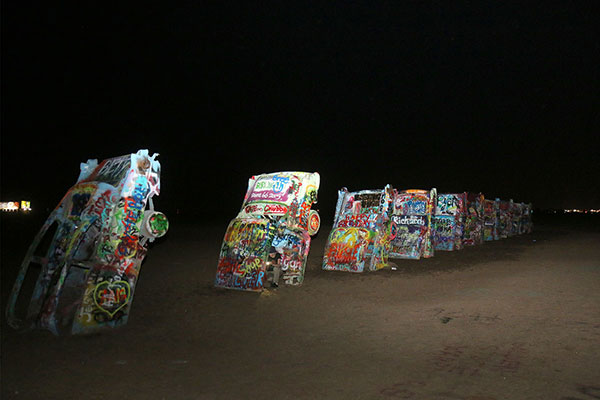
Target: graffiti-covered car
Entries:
(516, 211)
(270, 237)
(490, 220)
(360, 235)
(504, 218)
(449, 221)
(411, 228)
(473, 232)
(91, 247)
(526, 225)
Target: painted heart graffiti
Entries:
(110, 297)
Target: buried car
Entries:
(449, 221)
(516, 216)
(411, 227)
(270, 237)
(504, 218)
(90, 249)
(473, 231)
(526, 225)
(360, 236)
(490, 220)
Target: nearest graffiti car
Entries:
(411, 227)
(270, 237)
(91, 247)
(360, 236)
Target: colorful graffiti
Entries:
(473, 232)
(490, 220)
(360, 236)
(291, 247)
(504, 218)
(111, 297)
(516, 211)
(243, 258)
(348, 249)
(412, 224)
(411, 228)
(270, 238)
(448, 221)
(90, 269)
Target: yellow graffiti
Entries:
(350, 236)
(76, 237)
(240, 231)
(250, 265)
(112, 293)
(84, 317)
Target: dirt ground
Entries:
(512, 319)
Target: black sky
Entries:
(476, 96)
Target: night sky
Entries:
(478, 96)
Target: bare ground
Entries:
(512, 319)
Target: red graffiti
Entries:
(100, 204)
(275, 209)
(111, 296)
(303, 214)
(357, 221)
(342, 253)
(253, 209)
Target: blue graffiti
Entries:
(279, 183)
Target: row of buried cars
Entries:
(269, 240)
(79, 274)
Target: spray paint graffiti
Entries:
(111, 297)
(270, 237)
(242, 262)
(490, 220)
(448, 221)
(515, 222)
(411, 228)
(473, 232)
(292, 246)
(90, 269)
(504, 218)
(446, 233)
(348, 249)
(360, 236)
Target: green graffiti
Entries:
(159, 224)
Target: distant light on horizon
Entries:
(579, 211)
(12, 206)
